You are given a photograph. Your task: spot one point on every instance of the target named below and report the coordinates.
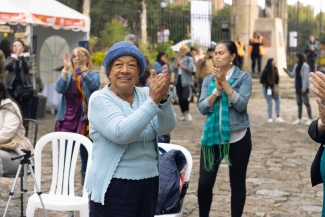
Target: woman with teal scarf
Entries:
(226, 135)
(316, 132)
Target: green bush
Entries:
(98, 57)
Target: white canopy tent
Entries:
(46, 18)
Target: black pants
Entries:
(257, 57)
(239, 155)
(241, 61)
(183, 93)
(128, 198)
(24, 104)
(311, 62)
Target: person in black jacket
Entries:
(18, 66)
(316, 131)
(269, 79)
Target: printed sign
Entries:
(4, 28)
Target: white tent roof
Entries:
(43, 12)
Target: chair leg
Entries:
(30, 211)
(76, 214)
(84, 211)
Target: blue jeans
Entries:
(269, 103)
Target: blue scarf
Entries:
(217, 130)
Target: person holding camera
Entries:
(300, 73)
(18, 81)
(311, 50)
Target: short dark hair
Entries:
(210, 49)
(232, 48)
(193, 48)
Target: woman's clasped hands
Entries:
(220, 77)
(159, 85)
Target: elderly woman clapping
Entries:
(124, 123)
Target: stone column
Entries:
(243, 16)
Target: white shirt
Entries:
(237, 135)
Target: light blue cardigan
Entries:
(114, 125)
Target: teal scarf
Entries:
(217, 130)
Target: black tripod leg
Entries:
(12, 190)
(21, 197)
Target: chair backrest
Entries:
(188, 156)
(31, 129)
(65, 149)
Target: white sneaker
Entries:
(279, 119)
(298, 121)
(188, 117)
(182, 118)
(309, 122)
(270, 120)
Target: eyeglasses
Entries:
(182, 49)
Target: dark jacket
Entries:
(315, 175)
(170, 165)
(24, 67)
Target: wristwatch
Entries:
(165, 100)
(216, 92)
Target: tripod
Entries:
(24, 162)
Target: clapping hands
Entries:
(159, 85)
(317, 80)
(220, 76)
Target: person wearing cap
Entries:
(256, 50)
(123, 179)
(204, 68)
(183, 67)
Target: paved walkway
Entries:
(278, 177)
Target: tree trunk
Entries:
(86, 7)
(144, 23)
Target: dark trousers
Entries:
(311, 62)
(24, 104)
(128, 198)
(257, 57)
(241, 61)
(183, 93)
(239, 155)
(303, 98)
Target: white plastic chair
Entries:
(61, 195)
(188, 170)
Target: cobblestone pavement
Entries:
(278, 177)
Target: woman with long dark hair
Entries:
(224, 98)
(300, 73)
(269, 79)
(18, 80)
(161, 61)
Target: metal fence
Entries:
(177, 21)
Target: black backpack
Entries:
(169, 196)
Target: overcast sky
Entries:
(315, 3)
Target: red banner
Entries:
(58, 21)
(13, 17)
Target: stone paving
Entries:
(278, 177)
